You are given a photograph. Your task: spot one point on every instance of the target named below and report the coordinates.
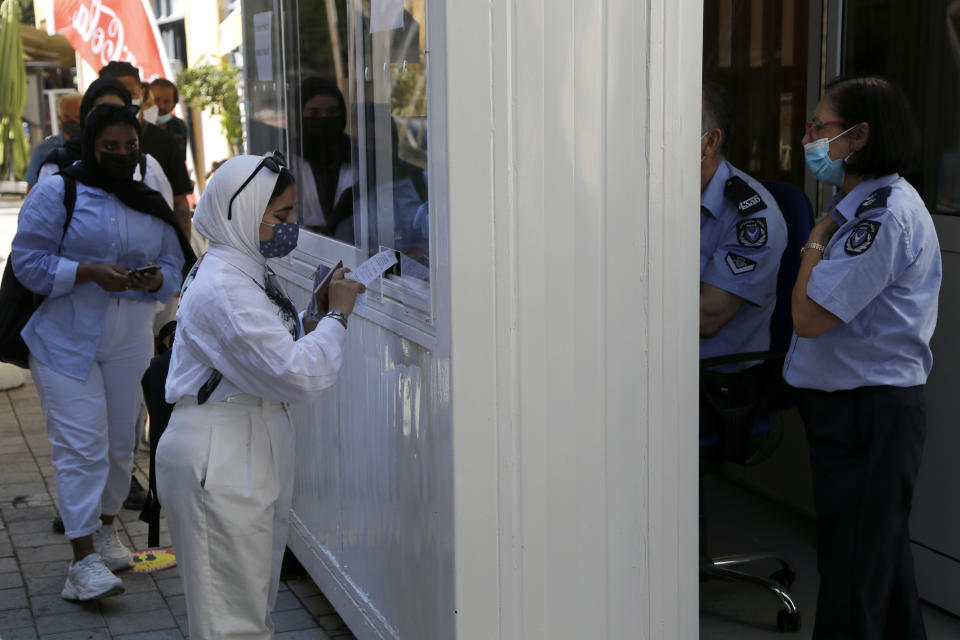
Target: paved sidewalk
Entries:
(33, 559)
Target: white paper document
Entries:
(262, 45)
(369, 271)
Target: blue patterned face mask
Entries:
(817, 155)
(285, 237)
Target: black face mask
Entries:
(71, 128)
(321, 132)
(119, 167)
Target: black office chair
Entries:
(734, 407)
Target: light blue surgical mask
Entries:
(164, 119)
(285, 237)
(817, 155)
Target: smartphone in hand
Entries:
(320, 300)
(150, 268)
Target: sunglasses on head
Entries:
(274, 162)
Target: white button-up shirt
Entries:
(227, 322)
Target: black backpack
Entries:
(17, 303)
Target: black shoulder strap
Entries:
(143, 167)
(743, 195)
(69, 202)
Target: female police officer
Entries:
(225, 461)
(864, 309)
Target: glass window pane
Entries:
(757, 50)
(392, 143)
(263, 87)
(917, 45)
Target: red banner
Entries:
(105, 30)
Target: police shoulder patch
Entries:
(739, 264)
(752, 232)
(743, 195)
(862, 237)
(876, 200)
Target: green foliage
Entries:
(214, 87)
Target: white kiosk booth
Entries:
(511, 449)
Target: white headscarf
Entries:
(242, 231)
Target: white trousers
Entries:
(225, 480)
(92, 423)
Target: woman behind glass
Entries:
(864, 310)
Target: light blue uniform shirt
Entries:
(65, 331)
(880, 275)
(740, 254)
(40, 153)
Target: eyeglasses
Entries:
(275, 162)
(813, 128)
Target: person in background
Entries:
(864, 309)
(147, 105)
(166, 97)
(241, 354)
(90, 339)
(68, 113)
(742, 238)
(157, 143)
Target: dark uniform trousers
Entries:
(865, 449)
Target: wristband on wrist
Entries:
(816, 246)
(339, 317)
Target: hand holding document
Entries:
(320, 300)
(370, 270)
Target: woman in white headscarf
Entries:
(224, 464)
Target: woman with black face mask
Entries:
(102, 270)
(106, 90)
(324, 174)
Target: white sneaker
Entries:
(107, 543)
(90, 579)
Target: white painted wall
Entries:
(573, 240)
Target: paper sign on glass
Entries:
(386, 15)
(262, 45)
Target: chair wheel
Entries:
(787, 621)
(785, 576)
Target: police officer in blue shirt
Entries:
(742, 237)
(864, 309)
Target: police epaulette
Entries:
(876, 200)
(747, 200)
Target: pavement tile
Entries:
(170, 587)
(165, 634)
(45, 584)
(6, 550)
(18, 514)
(140, 621)
(286, 601)
(332, 624)
(48, 552)
(10, 580)
(15, 618)
(137, 582)
(78, 620)
(131, 603)
(23, 633)
(15, 598)
(51, 604)
(303, 587)
(45, 569)
(41, 538)
(32, 526)
(182, 624)
(318, 605)
(177, 605)
(8, 564)
(85, 634)
(293, 620)
(302, 634)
